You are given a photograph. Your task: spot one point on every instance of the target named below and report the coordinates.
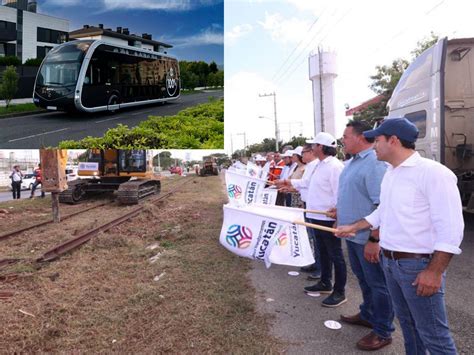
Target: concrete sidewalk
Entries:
(17, 101)
(299, 319)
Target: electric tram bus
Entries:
(95, 75)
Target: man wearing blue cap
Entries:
(421, 227)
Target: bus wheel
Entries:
(114, 100)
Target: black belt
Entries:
(395, 255)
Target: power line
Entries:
(304, 58)
(301, 41)
(303, 51)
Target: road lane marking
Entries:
(37, 135)
(108, 119)
(140, 113)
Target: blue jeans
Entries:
(35, 185)
(423, 319)
(330, 251)
(376, 307)
(317, 261)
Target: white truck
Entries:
(436, 92)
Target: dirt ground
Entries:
(157, 283)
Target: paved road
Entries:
(298, 319)
(48, 129)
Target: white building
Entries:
(27, 34)
(119, 36)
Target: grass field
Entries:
(159, 283)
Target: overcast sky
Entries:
(267, 44)
(193, 27)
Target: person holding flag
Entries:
(322, 196)
(360, 181)
(302, 185)
(421, 228)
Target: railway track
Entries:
(19, 231)
(65, 247)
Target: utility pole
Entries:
(275, 115)
(231, 146)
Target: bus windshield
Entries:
(62, 64)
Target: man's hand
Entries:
(346, 231)
(281, 183)
(428, 282)
(372, 252)
(332, 213)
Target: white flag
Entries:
(244, 190)
(292, 246)
(255, 232)
(253, 170)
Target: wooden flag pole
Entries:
(316, 212)
(317, 226)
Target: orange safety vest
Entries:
(275, 170)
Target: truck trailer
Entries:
(436, 93)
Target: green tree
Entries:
(297, 141)
(165, 160)
(9, 85)
(221, 158)
(213, 67)
(424, 44)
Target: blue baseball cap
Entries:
(400, 127)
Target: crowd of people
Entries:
(401, 217)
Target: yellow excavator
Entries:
(129, 172)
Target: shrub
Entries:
(34, 62)
(10, 60)
(199, 127)
(9, 84)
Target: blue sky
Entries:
(194, 27)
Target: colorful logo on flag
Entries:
(234, 191)
(282, 240)
(239, 236)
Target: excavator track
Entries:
(74, 193)
(131, 192)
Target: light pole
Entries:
(245, 139)
(274, 114)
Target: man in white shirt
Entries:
(322, 196)
(301, 185)
(421, 227)
(16, 177)
(288, 169)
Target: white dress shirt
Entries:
(302, 184)
(287, 171)
(420, 208)
(322, 192)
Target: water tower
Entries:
(322, 73)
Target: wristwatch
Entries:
(373, 240)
